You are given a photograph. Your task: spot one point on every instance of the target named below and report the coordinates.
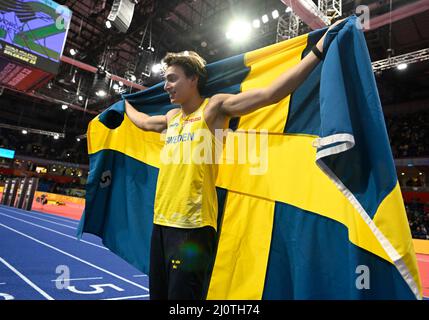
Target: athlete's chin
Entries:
(174, 100)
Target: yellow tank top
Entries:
(185, 192)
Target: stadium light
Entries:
(238, 31)
(24, 131)
(156, 68)
(64, 107)
(256, 23)
(265, 18)
(402, 66)
(101, 93)
(275, 14)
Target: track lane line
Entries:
(78, 279)
(74, 257)
(126, 298)
(28, 281)
(51, 216)
(55, 231)
(26, 215)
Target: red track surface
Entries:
(423, 263)
(69, 210)
(74, 211)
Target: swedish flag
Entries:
(326, 220)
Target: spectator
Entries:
(408, 134)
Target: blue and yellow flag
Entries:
(324, 220)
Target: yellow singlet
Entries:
(186, 193)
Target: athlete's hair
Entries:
(191, 62)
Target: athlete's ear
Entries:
(194, 80)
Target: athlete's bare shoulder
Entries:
(170, 114)
(213, 115)
(218, 99)
(215, 102)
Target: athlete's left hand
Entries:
(320, 42)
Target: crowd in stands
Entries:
(409, 134)
(418, 219)
(66, 149)
(50, 186)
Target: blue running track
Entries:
(41, 259)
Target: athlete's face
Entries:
(178, 85)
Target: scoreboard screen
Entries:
(32, 38)
(7, 153)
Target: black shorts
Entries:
(181, 261)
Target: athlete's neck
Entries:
(193, 104)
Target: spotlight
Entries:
(238, 31)
(73, 52)
(100, 93)
(108, 24)
(275, 14)
(256, 23)
(265, 18)
(156, 68)
(133, 78)
(56, 137)
(64, 107)
(121, 83)
(101, 83)
(402, 66)
(24, 131)
(115, 86)
(80, 98)
(78, 139)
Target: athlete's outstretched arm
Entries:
(249, 101)
(146, 122)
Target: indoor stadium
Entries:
(214, 150)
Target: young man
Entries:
(185, 215)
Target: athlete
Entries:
(185, 211)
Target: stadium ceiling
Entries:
(199, 25)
